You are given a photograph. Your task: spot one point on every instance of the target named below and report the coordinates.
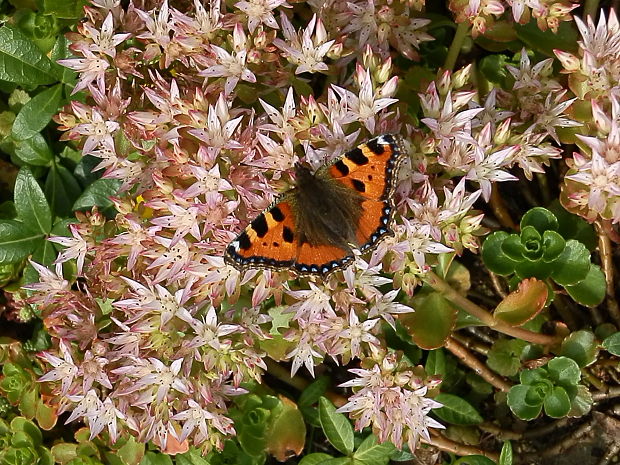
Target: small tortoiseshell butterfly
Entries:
(314, 227)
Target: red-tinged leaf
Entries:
(523, 304)
(286, 435)
(432, 322)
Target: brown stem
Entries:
(488, 319)
(610, 394)
(446, 445)
(604, 251)
(593, 380)
(497, 285)
(479, 368)
(499, 209)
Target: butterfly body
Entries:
(314, 227)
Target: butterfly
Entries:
(314, 227)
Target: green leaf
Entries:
(16, 241)
(31, 204)
(402, 455)
(553, 245)
(557, 403)
(572, 265)
(524, 303)
(564, 370)
(541, 219)
(64, 9)
(611, 343)
(505, 356)
(581, 346)
(436, 362)
(339, 461)
(493, 256)
(315, 458)
(591, 290)
(191, 457)
(573, 226)
(22, 62)
(456, 410)
(474, 460)
(581, 402)
(98, 194)
(152, 458)
(62, 189)
(336, 427)
(34, 151)
(313, 392)
(513, 248)
(36, 113)
(517, 401)
(545, 41)
(371, 453)
(432, 322)
(505, 457)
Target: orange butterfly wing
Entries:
(270, 240)
(370, 169)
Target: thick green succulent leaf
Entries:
(612, 343)
(572, 265)
(513, 248)
(589, 291)
(432, 322)
(580, 346)
(518, 405)
(523, 304)
(553, 245)
(564, 370)
(557, 403)
(493, 256)
(541, 219)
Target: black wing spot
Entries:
(244, 241)
(358, 185)
(376, 147)
(370, 177)
(357, 156)
(342, 167)
(287, 235)
(276, 244)
(277, 214)
(260, 225)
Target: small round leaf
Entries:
(581, 346)
(493, 256)
(591, 290)
(541, 219)
(557, 403)
(612, 344)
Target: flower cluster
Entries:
(390, 396)
(194, 115)
(481, 14)
(592, 185)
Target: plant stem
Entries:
(604, 252)
(488, 319)
(455, 47)
(447, 445)
(479, 368)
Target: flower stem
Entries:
(487, 318)
(457, 43)
(605, 254)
